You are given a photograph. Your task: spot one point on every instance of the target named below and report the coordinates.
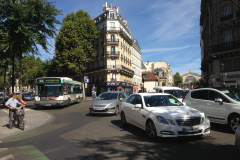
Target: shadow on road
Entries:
(221, 128)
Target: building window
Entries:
(226, 12)
(144, 76)
(227, 36)
(232, 64)
(112, 38)
(112, 24)
(113, 76)
(112, 49)
(111, 15)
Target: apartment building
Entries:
(112, 69)
(220, 43)
(136, 66)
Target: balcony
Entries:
(127, 81)
(127, 38)
(96, 69)
(113, 79)
(120, 67)
(113, 54)
(225, 46)
(112, 41)
(226, 17)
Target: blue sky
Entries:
(167, 30)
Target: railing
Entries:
(113, 40)
(113, 79)
(226, 17)
(95, 69)
(224, 46)
(127, 81)
(120, 67)
(113, 53)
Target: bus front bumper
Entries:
(51, 103)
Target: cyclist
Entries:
(12, 104)
(22, 103)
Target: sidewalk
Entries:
(34, 119)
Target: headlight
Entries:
(204, 118)
(162, 120)
(111, 105)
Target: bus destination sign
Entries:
(52, 80)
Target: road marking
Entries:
(8, 157)
(24, 147)
(32, 152)
(3, 149)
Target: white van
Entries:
(175, 91)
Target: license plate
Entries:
(98, 109)
(48, 105)
(191, 129)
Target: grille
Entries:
(191, 121)
(99, 105)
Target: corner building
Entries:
(220, 43)
(112, 67)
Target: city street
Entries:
(73, 134)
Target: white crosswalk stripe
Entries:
(8, 157)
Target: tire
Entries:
(234, 122)
(117, 110)
(123, 120)
(151, 130)
(22, 122)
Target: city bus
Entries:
(57, 91)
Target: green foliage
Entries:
(195, 83)
(74, 43)
(177, 79)
(7, 83)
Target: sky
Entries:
(167, 30)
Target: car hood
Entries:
(103, 102)
(172, 112)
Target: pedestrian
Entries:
(12, 104)
(93, 94)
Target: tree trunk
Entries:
(13, 81)
(20, 77)
(4, 81)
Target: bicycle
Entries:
(20, 117)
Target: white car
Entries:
(175, 91)
(161, 114)
(220, 106)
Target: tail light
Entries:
(183, 99)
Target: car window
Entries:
(121, 95)
(232, 93)
(161, 100)
(138, 99)
(176, 93)
(200, 94)
(212, 95)
(131, 99)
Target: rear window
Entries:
(176, 93)
(201, 94)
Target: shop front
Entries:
(231, 79)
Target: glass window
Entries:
(107, 96)
(161, 100)
(176, 93)
(201, 94)
(227, 10)
(232, 93)
(49, 90)
(138, 99)
(131, 99)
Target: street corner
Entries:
(34, 119)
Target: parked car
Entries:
(107, 103)
(220, 106)
(161, 114)
(27, 96)
(1, 96)
(237, 139)
(175, 91)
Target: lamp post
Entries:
(222, 67)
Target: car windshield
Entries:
(27, 94)
(176, 93)
(232, 93)
(161, 100)
(107, 96)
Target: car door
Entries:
(198, 100)
(216, 111)
(139, 114)
(128, 108)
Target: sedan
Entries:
(27, 96)
(107, 103)
(162, 115)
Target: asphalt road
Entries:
(74, 134)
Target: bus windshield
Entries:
(49, 89)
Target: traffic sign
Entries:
(119, 87)
(85, 79)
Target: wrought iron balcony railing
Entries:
(224, 46)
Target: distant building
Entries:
(112, 67)
(150, 81)
(188, 78)
(220, 47)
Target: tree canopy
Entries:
(177, 79)
(74, 43)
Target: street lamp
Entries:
(222, 67)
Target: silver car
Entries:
(107, 103)
(237, 140)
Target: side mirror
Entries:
(219, 100)
(184, 103)
(120, 99)
(138, 106)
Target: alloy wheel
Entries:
(151, 130)
(234, 123)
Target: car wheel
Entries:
(234, 122)
(123, 119)
(116, 110)
(151, 130)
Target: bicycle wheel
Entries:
(21, 122)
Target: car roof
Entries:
(148, 94)
(167, 87)
(213, 89)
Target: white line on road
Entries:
(8, 157)
(3, 149)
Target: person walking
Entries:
(93, 94)
(12, 104)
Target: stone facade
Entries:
(188, 78)
(220, 43)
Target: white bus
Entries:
(57, 91)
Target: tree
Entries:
(177, 79)
(27, 23)
(74, 43)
